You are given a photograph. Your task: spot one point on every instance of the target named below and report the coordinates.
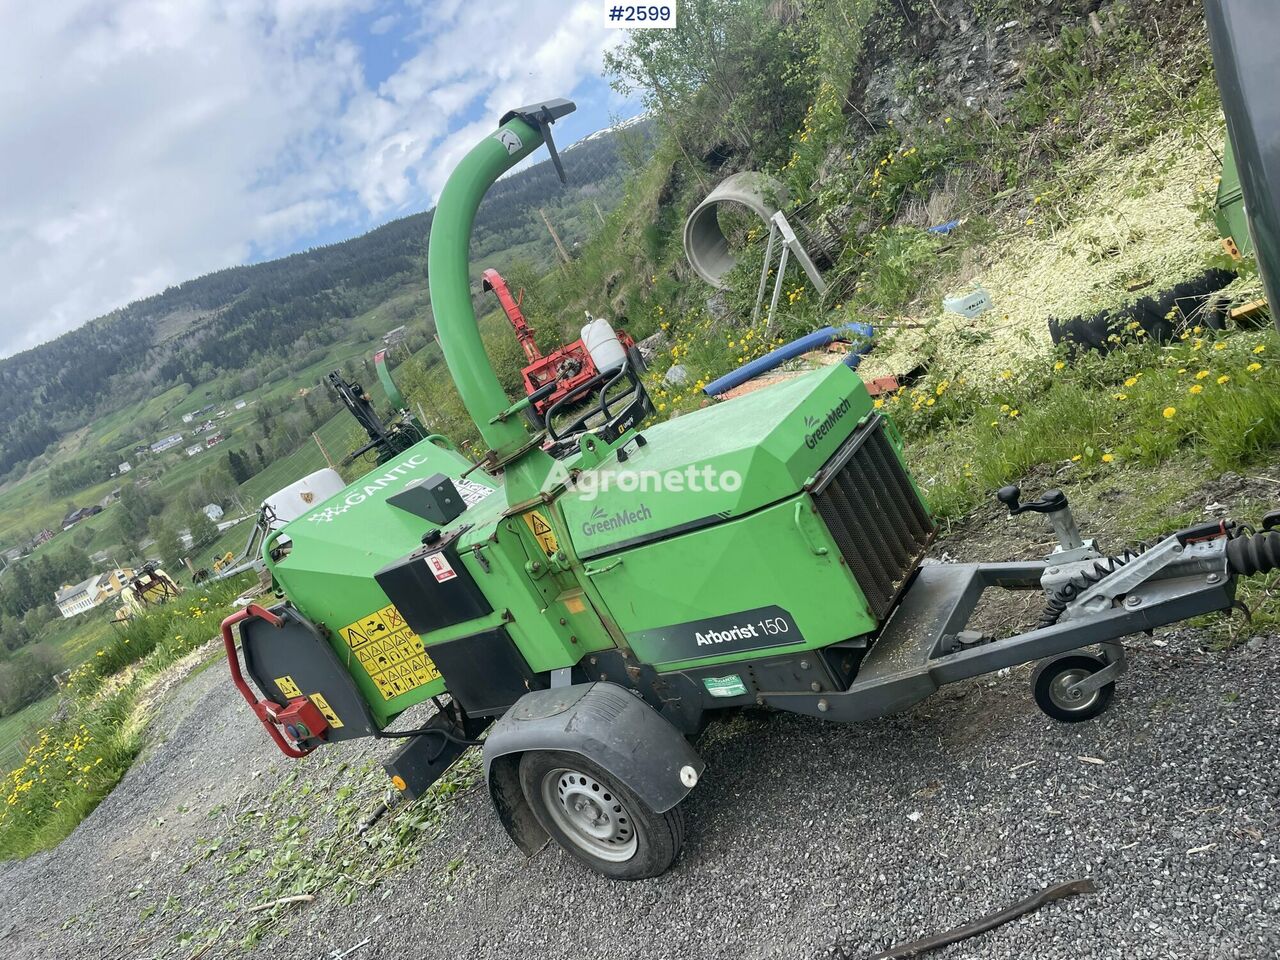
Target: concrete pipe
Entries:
(704, 244)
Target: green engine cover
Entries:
(721, 462)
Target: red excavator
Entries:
(567, 367)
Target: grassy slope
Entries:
(19, 730)
(25, 505)
(74, 763)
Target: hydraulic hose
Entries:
(1248, 556)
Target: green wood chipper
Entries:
(584, 598)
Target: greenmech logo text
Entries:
(818, 429)
(604, 522)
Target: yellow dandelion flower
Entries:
(1195, 388)
(1076, 459)
(1254, 367)
(1059, 365)
(1219, 346)
(1107, 458)
(1223, 379)
(1202, 374)
(1170, 412)
(1260, 349)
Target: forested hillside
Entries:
(243, 322)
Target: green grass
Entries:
(77, 639)
(19, 730)
(76, 762)
(25, 505)
(1142, 404)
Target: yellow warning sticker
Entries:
(288, 687)
(323, 706)
(542, 532)
(390, 652)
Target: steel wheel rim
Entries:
(1063, 682)
(589, 814)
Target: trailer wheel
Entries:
(597, 819)
(1053, 678)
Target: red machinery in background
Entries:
(566, 366)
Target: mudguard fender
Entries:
(600, 721)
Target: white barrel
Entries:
(607, 352)
(302, 495)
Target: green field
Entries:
(17, 729)
(25, 505)
(73, 641)
(76, 639)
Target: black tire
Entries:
(1052, 675)
(648, 850)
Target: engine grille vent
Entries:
(879, 523)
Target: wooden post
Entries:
(564, 254)
(316, 438)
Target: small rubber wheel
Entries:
(597, 819)
(1052, 680)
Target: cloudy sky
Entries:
(145, 142)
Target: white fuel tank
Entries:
(607, 352)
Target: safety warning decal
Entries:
(390, 652)
(542, 532)
(440, 567)
(323, 706)
(472, 492)
(288, 687)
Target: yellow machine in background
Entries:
(147, 587)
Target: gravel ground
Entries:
(802, 835)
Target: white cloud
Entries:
(383, 24)
(145, 142)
